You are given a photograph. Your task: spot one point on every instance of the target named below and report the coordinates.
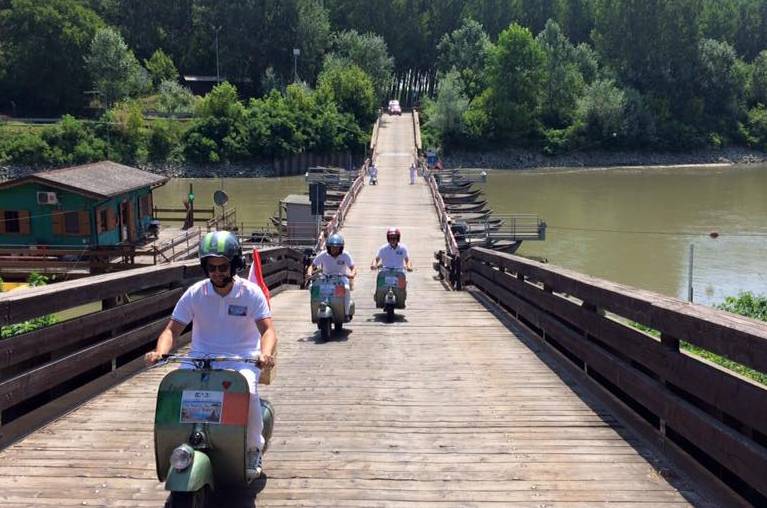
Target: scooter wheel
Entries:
(390, 315)
(325, 329)
(196, 499)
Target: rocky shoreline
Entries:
(526, 159)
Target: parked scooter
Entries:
(200, 428)
(327, 301)
(391, 291)
(373, 180)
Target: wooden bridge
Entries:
(527, 387)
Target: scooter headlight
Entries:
(182, 457)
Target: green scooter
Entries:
(200, 428)
(391, 291)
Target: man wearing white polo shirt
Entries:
(229, 315)
(393, 254)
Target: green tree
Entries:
(751, 35)
(369, 52)
(161, 68)
(445, 113)
(576, 17)
(466, 50)
(757, 92)
(219, 134)
(516, 75)
(600, 112)
(493, 15)
(312, 38)
(564, 82)
(351, 90)
(114, 69)
(721, 85)
(653, 47)
(43, 45)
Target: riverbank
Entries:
(528, 159)
(255, 169)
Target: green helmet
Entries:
(221, 244)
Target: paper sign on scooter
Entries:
(201, 406)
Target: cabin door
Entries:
(127, 225)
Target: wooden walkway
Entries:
(451, 405)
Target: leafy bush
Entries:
(34, 280)
(174, 99)
(746, 304)
(28, 148)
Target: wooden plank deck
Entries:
(451, 405)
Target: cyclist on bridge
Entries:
(229, 315)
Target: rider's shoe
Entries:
(253, 468)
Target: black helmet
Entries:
(221, 244)
(335, 240)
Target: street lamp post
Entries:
(218, 69)
(296, 52)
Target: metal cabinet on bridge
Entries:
(99, 204)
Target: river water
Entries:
(629, 225)
(636, 225)
(254, 198)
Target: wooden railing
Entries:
(226, 221)
(448, 261)
(714, 415)
(374, 135)
(337, 221)
(62, 259)
(177, 248)
(417, 132)
(179, 214)
(46, 372)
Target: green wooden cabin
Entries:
(99, 204)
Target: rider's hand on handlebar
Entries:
(373, 267)
(409, 268)
(266, 361)
(152, 357)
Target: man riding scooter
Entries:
(334, 261)
(229, 315)
(391, 283)
(373, 173)
(393, 254)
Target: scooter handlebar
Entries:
(228, 358)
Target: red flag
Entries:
(257, 275)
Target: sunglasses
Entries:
(224, 268)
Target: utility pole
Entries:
(296, 52)
(218, 69)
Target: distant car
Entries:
(394, 108)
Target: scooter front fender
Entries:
(193, 478)
(324, 312)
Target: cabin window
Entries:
(12, 222)
(16, 222)
(71, 223)
(103, 220)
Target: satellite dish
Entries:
(220, 198)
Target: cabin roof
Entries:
(100, 180)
